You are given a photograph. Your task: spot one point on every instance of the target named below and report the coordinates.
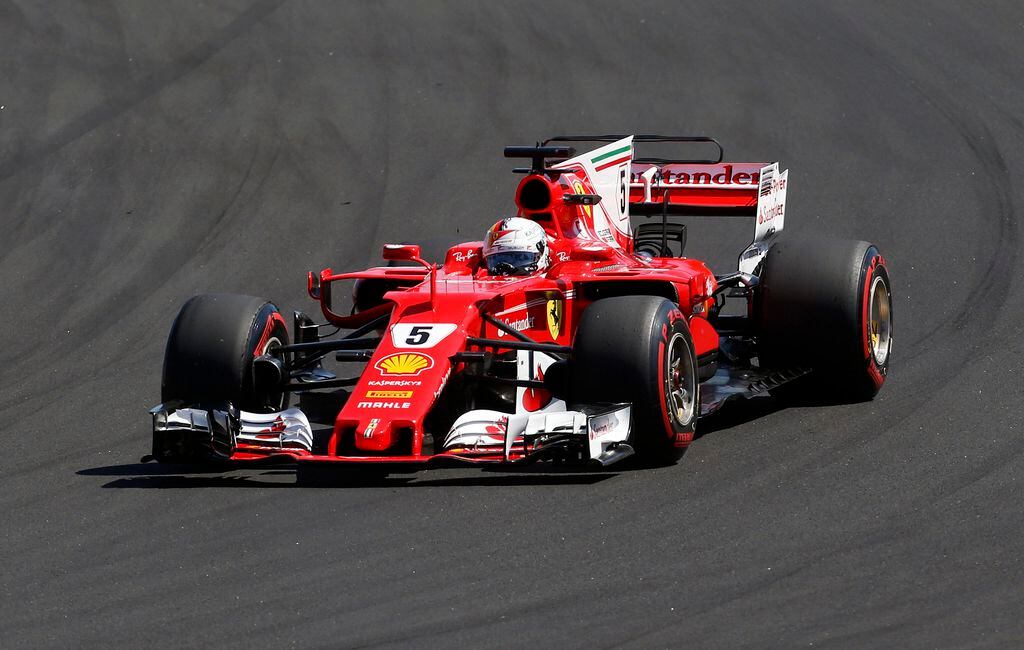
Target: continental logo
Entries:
(404, 363)
(389, 394)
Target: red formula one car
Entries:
(567, 335)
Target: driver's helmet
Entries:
(516, 246)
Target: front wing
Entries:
(598, 435)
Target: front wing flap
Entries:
(227, 432)
(597, 434)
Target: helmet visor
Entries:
(512, 263)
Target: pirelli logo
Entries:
(389, 394)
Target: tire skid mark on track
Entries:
(998, 193)
(997, 460)
(990, 292)
(971, 319)
(131, 96)
(858, 511)
(113, 311)
(223, 218)
(384, 128)
(971, 323)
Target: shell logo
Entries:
(404, 363)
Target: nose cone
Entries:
(385, 412)
(380, 434)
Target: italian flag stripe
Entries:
(610, 154)
(612, 163)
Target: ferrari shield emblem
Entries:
(579, 189)
(555, 311)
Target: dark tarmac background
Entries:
(153, 150)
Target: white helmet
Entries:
(516, 246)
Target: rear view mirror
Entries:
(313, 285)
(402, 252)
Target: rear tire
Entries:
(827, 305)
(638, 349)
(210, 350)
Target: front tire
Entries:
(210, 351)
(638, 349)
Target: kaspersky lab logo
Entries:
(408, 364)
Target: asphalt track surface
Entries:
(152, 151)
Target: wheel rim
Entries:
(275, 400)
(272, 343)
(880, 321)
(680, 391)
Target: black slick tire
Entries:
(638, 349)
(211, 347)
(826, 305)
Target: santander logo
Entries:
(728, 174)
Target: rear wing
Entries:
(719, 189)
(705, 187)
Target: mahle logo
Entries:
(404, 363)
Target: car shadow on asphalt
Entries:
(157, 476)
(738, 412)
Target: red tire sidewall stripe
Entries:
(268, 330)
(679, 438)
(663, 402)
(874, 371)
